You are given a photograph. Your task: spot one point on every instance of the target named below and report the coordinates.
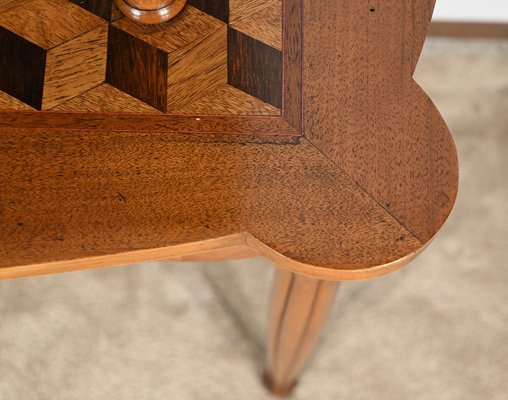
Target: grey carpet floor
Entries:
(437, 329)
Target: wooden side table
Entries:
(288, 129)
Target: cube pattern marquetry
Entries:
(219, 57)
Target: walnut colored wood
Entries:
(233, 101)
(317, 151)
(169, 67)
(299, 309)
(254, 67)
(264, 23)
(265, 128)
(106, 9)
(41, 22)
(295, 201)
(11, 103)
(468, 29)
(78, 66)
(98, 100)
(150, 11)
(233, 252)
(216, 8)
(137, 192)
(6, 5)
(50, 59)
(372, 119)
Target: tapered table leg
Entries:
(299, 309)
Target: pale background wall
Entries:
(472, 10)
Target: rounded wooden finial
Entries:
(150, 11)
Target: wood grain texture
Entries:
(190, 26)
(194, 71)
(11, 103)
(137, 68)
(293, 63)
(216, 8)
(106, 9)
(358, 197)
(299, 309)
(73, 196)
(244, 8)
(75, 67)
(99, 99)
(41, 22)
(195, 45)
(269, 128)
(232, 102)
(254, 67)
(196, 60)
(22, 65)
(6, 5)
(370, 117)
(233, 252)
(264, 25)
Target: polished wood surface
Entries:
(61, 53)
(150, 11)
(76, 196)
(292, 130)
(371, 118)
(298, 312)
(353, 188)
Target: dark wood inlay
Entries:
(292, 56)
(102, 8)
(216, 8)
(137, 68)
(255, 67)
(22, 67)
(194, 47)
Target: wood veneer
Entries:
(346, 172)
(173, 68)
(377, 164)
(73, 196)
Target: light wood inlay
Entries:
(168, 67)
(106, 9)
(11, 103)
(99, 98)
(233, 101)
(245, 8)
(265, 24)
(6, 5)
(41, 22)
(75, 67)
(189, 27)
(198, 70)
